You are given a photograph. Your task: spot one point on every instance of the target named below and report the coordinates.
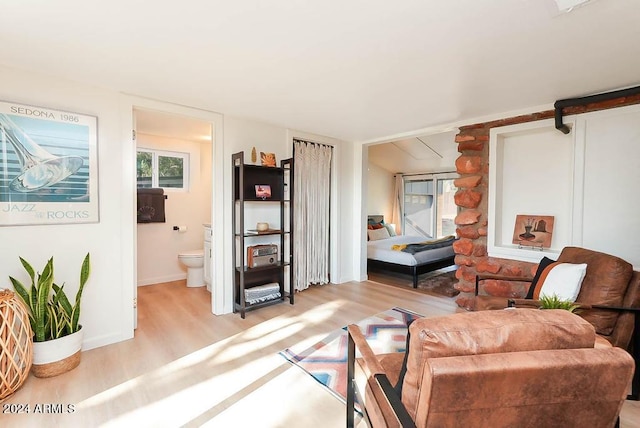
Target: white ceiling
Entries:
(172, 126)
(429, 153)
(357, 70)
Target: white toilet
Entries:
(194, 261)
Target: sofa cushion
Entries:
(605, 283)
(488, 332)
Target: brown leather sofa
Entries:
(515, 367)
(610, 285)
(609, 299)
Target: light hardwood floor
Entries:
(187, 367)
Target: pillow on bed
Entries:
(390, 228)
(377, 234)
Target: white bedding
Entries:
(381, 250)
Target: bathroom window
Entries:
(167, 170)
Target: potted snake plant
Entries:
(57, 334)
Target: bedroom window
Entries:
(167, 170)
(429, 207)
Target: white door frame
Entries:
(128, 104)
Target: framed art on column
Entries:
(48, 166)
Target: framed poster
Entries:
(533, 230)
(48, 166)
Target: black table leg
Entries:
(635, 353)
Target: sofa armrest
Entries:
(634, 345)
(529, 388)
(371, 364)
(635, 338)
(379, 390)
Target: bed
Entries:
(381, 256)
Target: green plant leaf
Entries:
(85, 270)
(22, 291)
(41, 314)
(26, 299)
(59, 297)
(30, 271)
(58, 323)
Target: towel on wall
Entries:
(151, 206)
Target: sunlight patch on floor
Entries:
(283, 402)
(192, 400)
(224, 370)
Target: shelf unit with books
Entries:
(261, 258)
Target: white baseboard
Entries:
(106, 339)
(161, 279)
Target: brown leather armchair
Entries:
(518, 367)
(609, 299)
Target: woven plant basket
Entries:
(16, 346)
(57, 356)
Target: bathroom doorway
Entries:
(176, 153)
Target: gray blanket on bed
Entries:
(416, 248)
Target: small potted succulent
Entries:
(57, 334)
(555, 302)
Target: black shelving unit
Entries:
(280, 180)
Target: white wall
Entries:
(544, 187)
(586, 179)
(107, 301)
(158, 243)
(609, 195)
(342, 232)
(107, 311)
(243, 135)
(380, 191)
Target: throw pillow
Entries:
(390, 228)
(377, 234)
(562, 279)
(546, 261)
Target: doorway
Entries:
(425, 163)
(219, 303)
(173, 153)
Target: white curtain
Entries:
(312, 169)
(398, 199)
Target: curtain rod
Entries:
(423, 173)
(312, 142)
